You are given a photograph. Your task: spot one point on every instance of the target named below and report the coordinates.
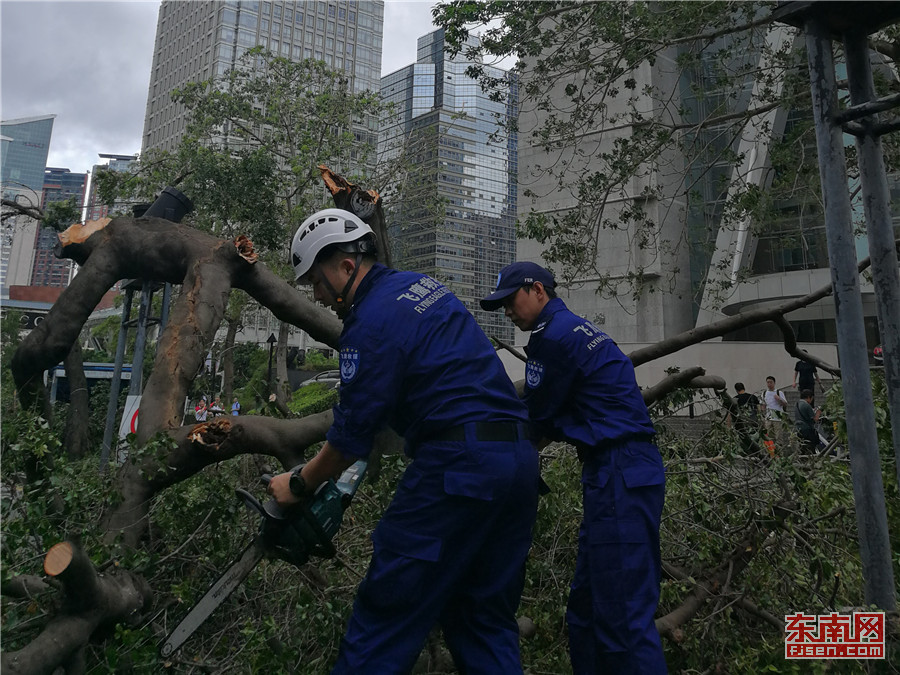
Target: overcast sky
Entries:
(89, 63)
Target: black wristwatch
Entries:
(297, 484)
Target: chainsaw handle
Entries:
(250, 501)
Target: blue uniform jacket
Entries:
(579, 386)
(414, 358)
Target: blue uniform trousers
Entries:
(615, 591)
(449, 550)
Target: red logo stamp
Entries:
(834, 636)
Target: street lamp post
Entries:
(271, 340)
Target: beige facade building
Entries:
(703, 262)
(202, 39)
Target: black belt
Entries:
(496, 432)
(586, 452)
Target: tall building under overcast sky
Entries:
(25, 143)
(199, 40)
(48, 270)
(95, 207)
(204, 39)
(470, 161)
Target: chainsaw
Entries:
(292, 534)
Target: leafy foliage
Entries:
(313, 398)
(253, 143)
(797, 510)
(637, 111)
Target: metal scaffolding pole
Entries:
(113, 404)
(868, 488)
(137, 362)
(876, 202)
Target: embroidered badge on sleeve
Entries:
(349, 363)
(534, 374)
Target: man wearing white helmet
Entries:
(451, 547)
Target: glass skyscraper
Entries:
(25, 144)
(199, 40)
(461, 227)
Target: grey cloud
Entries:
(89, 63)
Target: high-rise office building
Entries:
(470, 162)
(95, 207)
(59, 185)
(196, 41)
(25, 144)
(203, 39)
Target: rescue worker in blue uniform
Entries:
(451, 547)
(580, 388)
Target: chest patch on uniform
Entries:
(534, 373)
(349, 363)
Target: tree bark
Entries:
(77, 436)
(228, 361)
(738, 321)
(207, 268)
(282, 386)
(89, 602)
(198, 446)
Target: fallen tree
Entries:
(89, 601)
(168, 454)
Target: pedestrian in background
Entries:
(806, 376)
(776, 404)
(748, 405)
(805, 418)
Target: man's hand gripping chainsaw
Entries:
(292, 534)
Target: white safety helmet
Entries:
(330, 226)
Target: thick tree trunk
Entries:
(207, 267)
(228, 361)
(742, 320)
(89, 602)
(200, 445)
(157, 249)
(282, 386)
(77, 437)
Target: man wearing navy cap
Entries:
(580, 388)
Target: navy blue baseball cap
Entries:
(512, 278)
